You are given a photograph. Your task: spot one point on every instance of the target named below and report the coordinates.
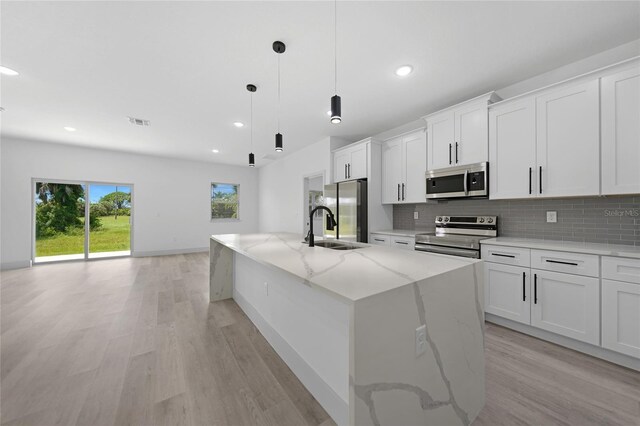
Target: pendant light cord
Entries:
(335, 45)
(251, 115)
(278, 93)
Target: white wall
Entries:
(171, 197)
(281, 203)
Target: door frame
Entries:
(87, 203)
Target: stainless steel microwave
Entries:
(470, 181)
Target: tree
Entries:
(116, 203)
(59, 207)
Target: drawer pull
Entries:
(401, 242)
(503, 255)
(560, 262)
(524, 280)
(379, 239)
(535, 289)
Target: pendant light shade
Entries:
(252, 160)
(336, 109)
(279, 47)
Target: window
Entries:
(224, 201)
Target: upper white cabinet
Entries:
(567, 142)
(621, 131)
(350, 162)
(512, 150)
(404, 162)
(459, 135)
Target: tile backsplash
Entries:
(612, 220)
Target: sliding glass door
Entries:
(81, 220)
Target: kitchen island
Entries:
(378, 335)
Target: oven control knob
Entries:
(446, 219)
(489, 220)
(481, 220)
(439, 219)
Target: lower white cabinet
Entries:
(380, 239)
(507, 291)
(621, 317)
(405, 243)
(566, 304)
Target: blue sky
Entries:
(98, 191)
(225, 188)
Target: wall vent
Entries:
(139, 121)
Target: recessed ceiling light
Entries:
(7, 71)
(238, 124)
(70, 129)
(215, 151)
(404, 70)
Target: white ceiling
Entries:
(184, 66)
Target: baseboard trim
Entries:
(595, 351)
(15, 265)
(149, 253)
(337, 408)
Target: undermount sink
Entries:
(334, 245)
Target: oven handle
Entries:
(466, 176)
(448, 250)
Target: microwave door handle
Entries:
(466, 175)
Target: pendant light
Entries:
(252, 159)
(279, 48)
(336, 104)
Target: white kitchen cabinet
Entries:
(512, 150)
(404, 243)
(568, 140)
(621, 132)
(621, 317)
(380, 239)
(350, 162)
(459, 135)
(404, 162)
(566, 304)
(507, 291)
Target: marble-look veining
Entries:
(390, 293)
(620, 250)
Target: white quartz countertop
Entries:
(621, 250)
(349, 274)
(400, 232)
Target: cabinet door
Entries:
(414, 162)
(391, 171)
(566, 304)
(506, 291)
(471, 134)
(512, 150)
(621, 317)
(357, 168)
(440, 140)
(340, 162)
(568, 141)
(621, 132)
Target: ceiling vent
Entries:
(139, 121)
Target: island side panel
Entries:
(220, 272)
(389, 383)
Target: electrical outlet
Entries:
(552, 217)
(266, 288)
(415, 215)
(421, 340)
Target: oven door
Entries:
(458, 182)
(475, 254)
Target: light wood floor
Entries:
(135, 341)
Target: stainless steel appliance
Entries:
(458, 235)
(348, 202)
(470, 181)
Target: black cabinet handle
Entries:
(503, 255)
(379, 239)
(456, 152)
(398, 192)
(562, 263)
(524, 286)
(403, 197)
(535, 289)
(401, 242)
(449, 153)
(540, 180)
(345, 171)
(530, 171)
(349, 170)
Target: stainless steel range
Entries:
(458, 235)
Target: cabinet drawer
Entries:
(570, 263)
(406, 243)
(507, 255)
(380, 239)
(621, 269)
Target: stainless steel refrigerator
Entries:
(348, 202)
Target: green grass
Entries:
(112, 236)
